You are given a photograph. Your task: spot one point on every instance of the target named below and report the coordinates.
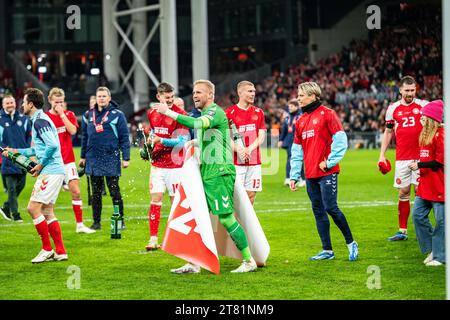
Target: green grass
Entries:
(120, 269)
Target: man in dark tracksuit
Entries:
(15, 132)
(105, 137)
(287, 138)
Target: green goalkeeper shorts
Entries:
(219, 193)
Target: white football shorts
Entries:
(404, 176)
(71, 172)
(250, 176)
(163, 178)
(46, 188)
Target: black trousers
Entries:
(114, 191)
(14, 185)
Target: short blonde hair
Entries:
(56, 92)
(244, 83)
(310, 88)
(207, 83)
(103, 89)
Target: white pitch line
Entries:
(306, 207)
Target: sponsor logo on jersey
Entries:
(61, 129)
(308, 134)
(424, 153)
(247, 128)
(161, 130)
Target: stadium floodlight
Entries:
(39, 59)
(108, 56)
(95, 71)
(42, 69)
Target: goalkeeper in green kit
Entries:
(217, 168)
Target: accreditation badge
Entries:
(99, 128)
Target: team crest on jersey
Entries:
(254, 117)
(19, 123)
(211, 113)
(315, 121)
(399, 181)
(7, 124)
(416, 111)
(400, 113)
(322, 113)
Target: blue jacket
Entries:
(14, 133)
(102, 149)
(46, 144)
(286, 135)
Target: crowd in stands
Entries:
(7, 85)
(360, 81)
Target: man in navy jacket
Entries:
(105, 138)
(287, 138)
(15, 132)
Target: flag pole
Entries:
(446, 82)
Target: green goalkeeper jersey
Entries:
(216, 157)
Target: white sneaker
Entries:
(428, 258)
(60, 257)
(43, 256)
(83, 229)
(434, 263)
(246, 266)
(287, 182)
(152, 244)
(187, 268)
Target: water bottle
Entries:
(116, 224)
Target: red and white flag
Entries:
(198, 237)
(189, 234)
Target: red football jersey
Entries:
(168, 128)
(248, 123)
(431, 183)
(65, 139)
(407, 126)
(314, 132)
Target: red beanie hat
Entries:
(434, 110)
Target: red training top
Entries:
(314, 132)
(165, 127)
(431, 183)
(407, 126)
(65, 139)
(248, 122)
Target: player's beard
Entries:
(408, 99)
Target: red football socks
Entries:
(55, 232)
(403, 214)
(77, 209)
(154, 216)
(42, 229)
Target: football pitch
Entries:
(101, 268)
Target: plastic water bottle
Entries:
(116, 224)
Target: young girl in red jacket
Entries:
(431, 193)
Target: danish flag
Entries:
(189, 234)
(196, 236)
